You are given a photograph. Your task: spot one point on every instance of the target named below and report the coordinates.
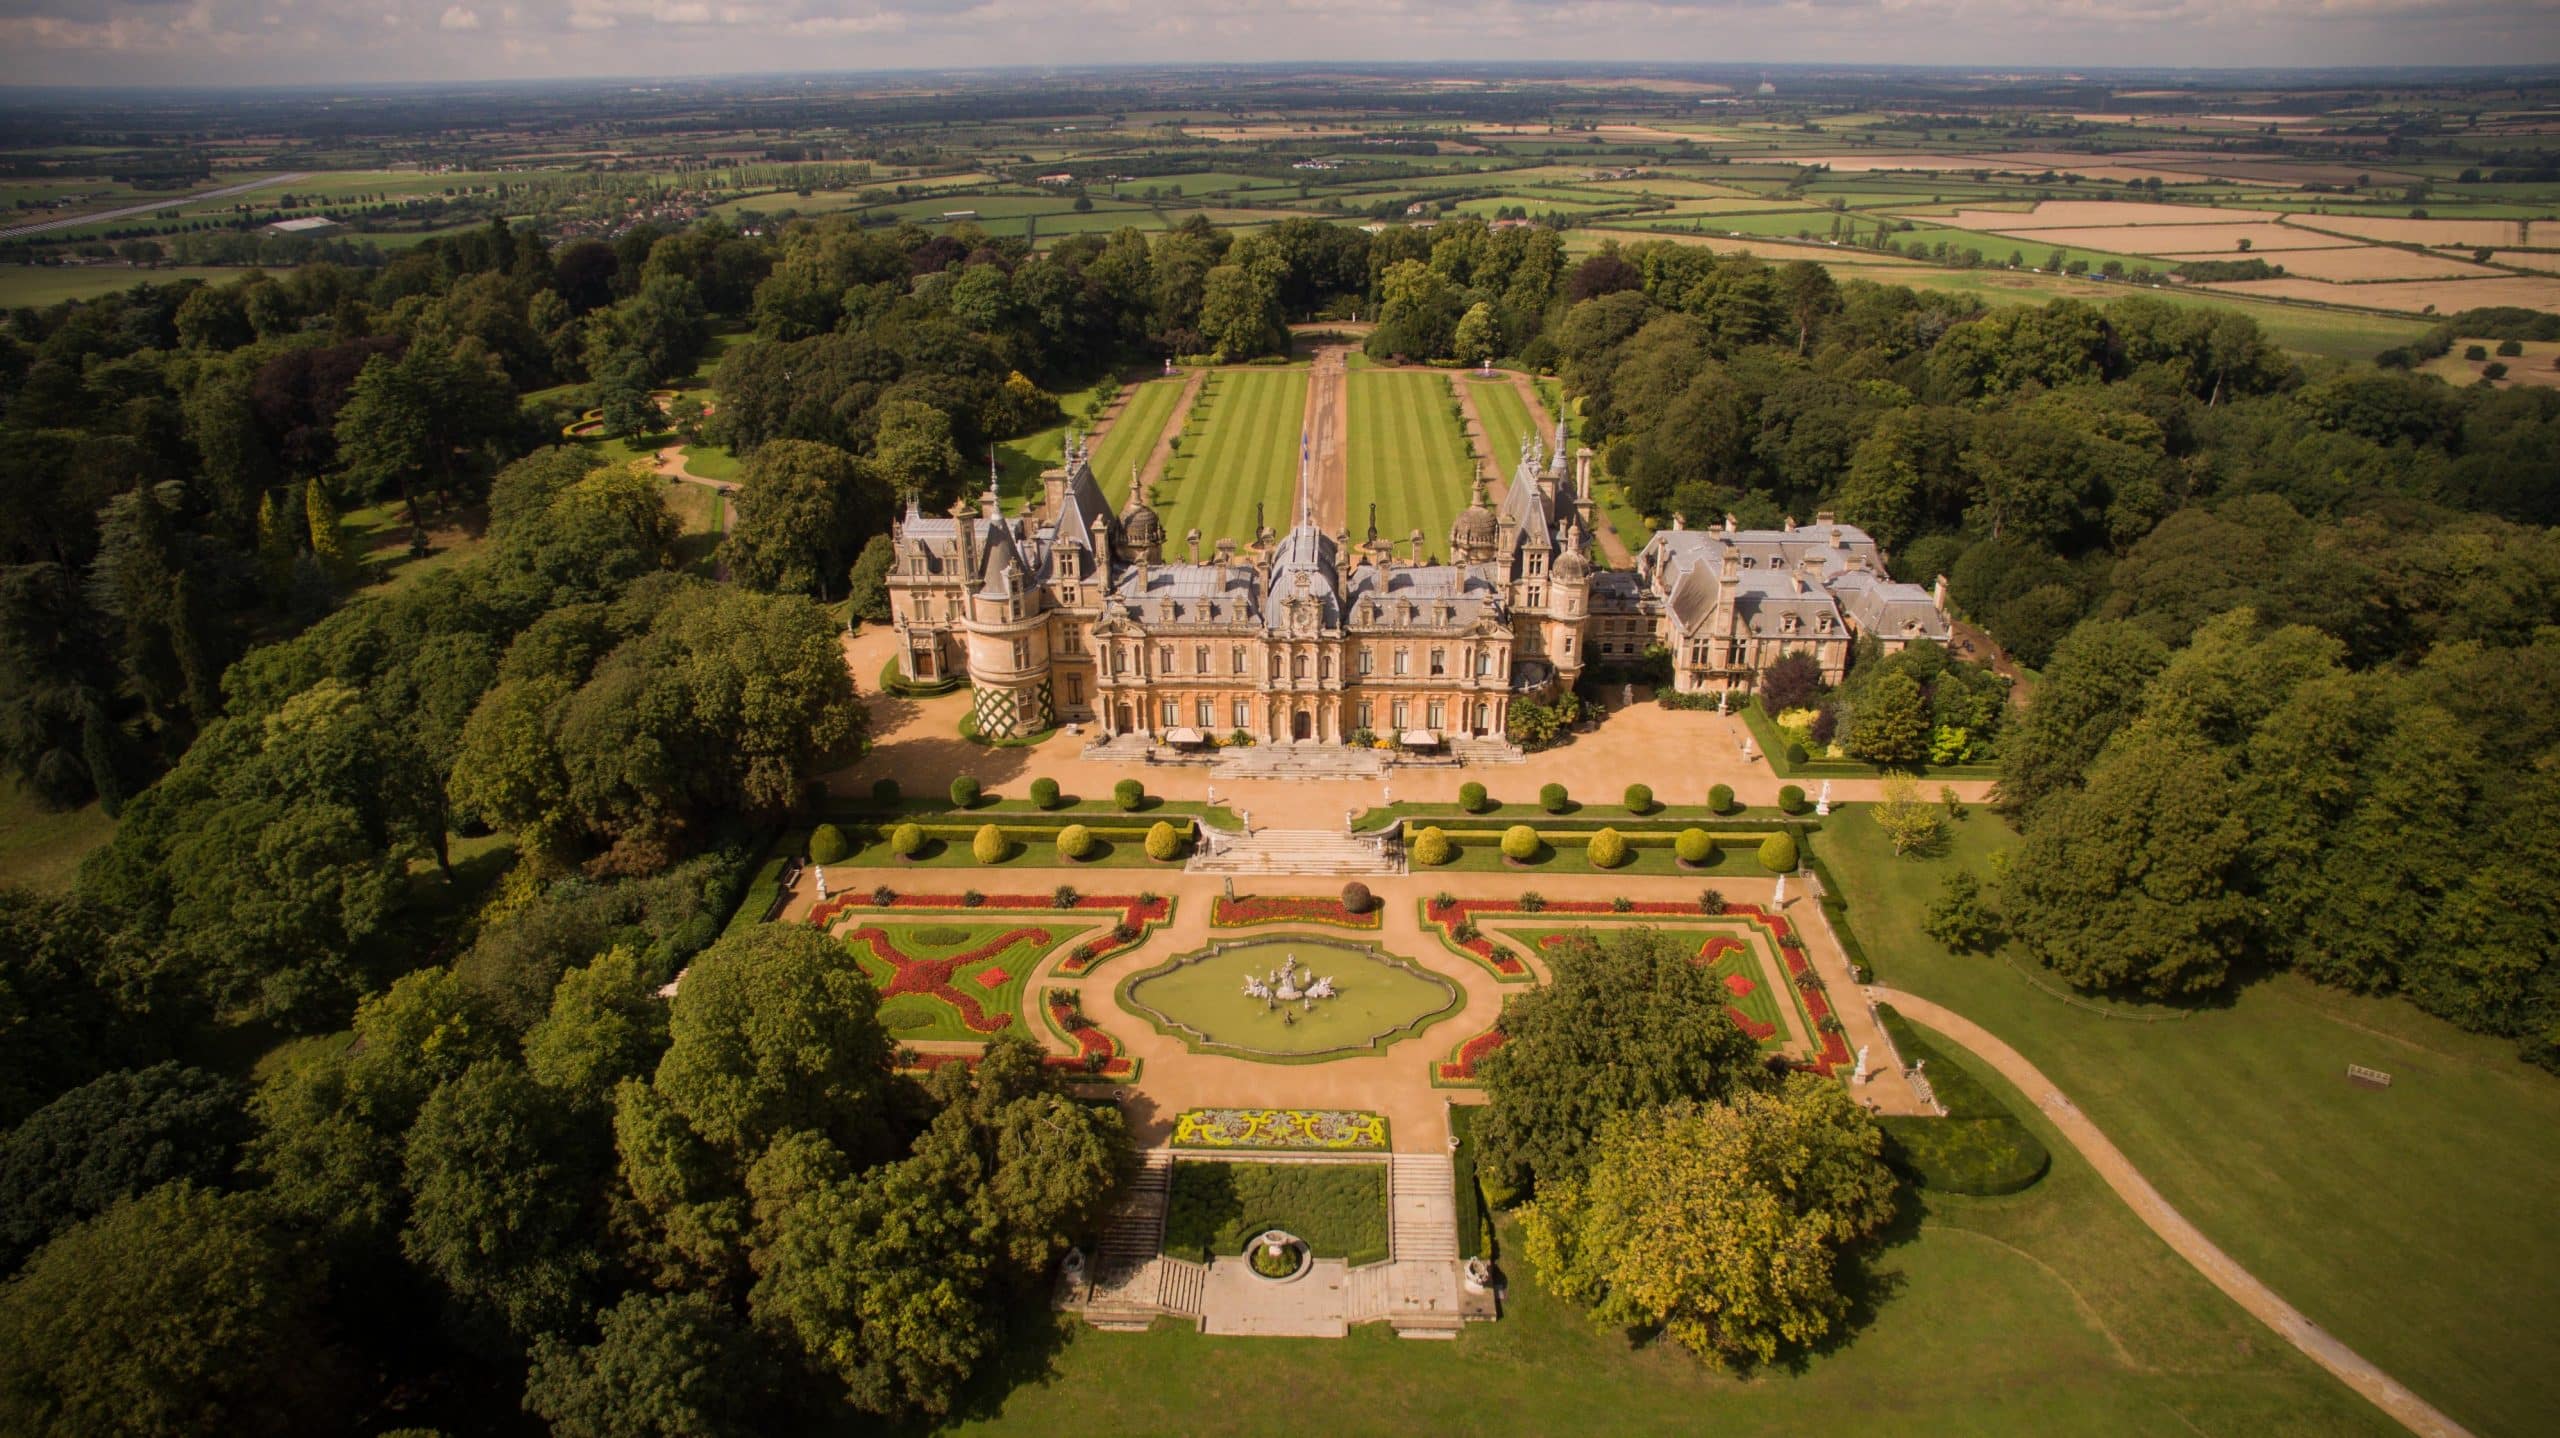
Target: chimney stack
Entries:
(1938, 594)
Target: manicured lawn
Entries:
(2051, 1311)
(41, 848)
(1506, 420)
(952, 979)
(2408, 1221)
(1239, 456)
(1408, 456)
(1340, 1209)
(1132, 436)
(1378, 1000)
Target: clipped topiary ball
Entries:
(827, 845)
(1639, 798)
(1791, 798)
(1694, 846)
(1432, 847)
(1720, 798)
(1164, 843)
(906, 840)
(1128, 794)
(1520, 843)
(1778, 853)
(990, 845)
(1552, 798)
(1356, 898)
(1472, 797)
(1075, 842)
(1044, 793)
(1607, 849)
(964, 791)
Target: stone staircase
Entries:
(1299, 761)
(1179, 1282)
(1369, 1293)
(1130, 1277)
(1487, 751)
(1297, 852)
(1422, 1224)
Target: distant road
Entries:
(101, 216)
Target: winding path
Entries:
(2384, 1391)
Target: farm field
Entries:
(36, 286)
(2370, 262)
(1408, 455)
(2533, 367)
(1129, 439)
(2414, 296)
(1239, 456)
(1506, 422)
(2241, 1116)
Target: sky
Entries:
(358, 41)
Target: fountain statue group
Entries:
(1292, 982)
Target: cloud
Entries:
(343, 41)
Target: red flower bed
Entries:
(1719, 945)
(1090, 1040)
(992, 978)
(1137, 913)
(1738, 984)
(932, 977)
(1448, 916)
(1460, 1066)
(1760, 1032)
(1258, 909)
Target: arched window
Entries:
(1298, 667)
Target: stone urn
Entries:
(1479, 1275)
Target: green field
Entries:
(1408, 455)
(35, 286)
(1132, 437)
(1239, 451)
(2404, 1220)
(41, 848)
(2049, 1311)
(1507, 424)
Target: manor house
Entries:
(1073, 613)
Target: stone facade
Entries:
(1074, 614)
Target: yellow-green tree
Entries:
(1725, 1225)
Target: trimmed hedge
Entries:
(1520, 843)
(1475, 1235)
(906, 840)
(989, 845)
(1720, 798)
(1791, 798)
(1128, 794)
(1980, 1147)
(1075, 842)
(1694, 846)
(884, 791)
(1472, 797)
(1553, 799)
(1639, 799)
(1778, 853)
(1606, 850)
(964, 791)
(1164, 843)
